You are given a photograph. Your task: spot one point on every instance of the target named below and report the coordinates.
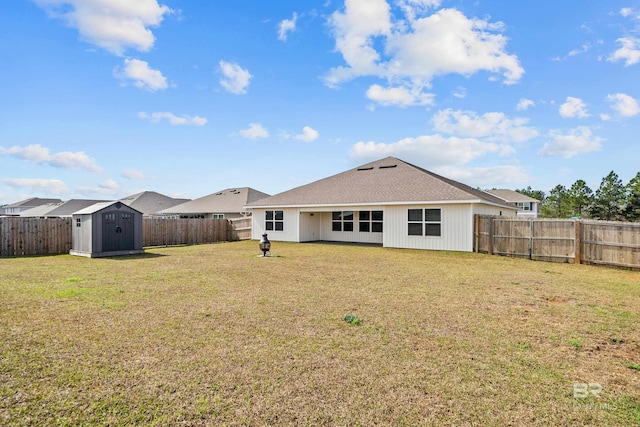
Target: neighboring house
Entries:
(150, 202)
(19, 207)
(528, 207)
(389, 202)
(61, 209)
(229, 204)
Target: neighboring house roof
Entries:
(511, 196)
(60, 209)
(389, 180)
(230, 200)
(150, 202)
(31, 203)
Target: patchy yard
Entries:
(215, 335)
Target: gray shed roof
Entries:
(512, 196)
(150, 202)
(96, 207)
(389, 180)
(230, 200)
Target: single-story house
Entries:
(23, 205)
(528, 207)
(150, 202)
(389, 202)
(225, 204)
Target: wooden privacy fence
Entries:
(48, 236)
(560, 240)
(34, 236)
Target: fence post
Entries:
(490, 248)
(577, 231)
(476, 234)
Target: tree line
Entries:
(612, 201)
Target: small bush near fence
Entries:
(560, 240)
(50, 236)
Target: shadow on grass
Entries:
(136, 256)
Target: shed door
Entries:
(117, 231)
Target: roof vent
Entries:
(365, 169)
(387, 167)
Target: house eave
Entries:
(312, 206)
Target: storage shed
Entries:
(107, 229)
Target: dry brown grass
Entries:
(215, 335)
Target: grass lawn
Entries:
(215, 335)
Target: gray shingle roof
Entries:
(150, 202)
(60, 209)
(389, 180)
(230, 200)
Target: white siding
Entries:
(291, 225)
(493, 210)
(456, 229)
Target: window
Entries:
(370, 221)
(274, 220)
(78, 222)
(217, 216)
(424, 222)
(525, 206)
(342, 221)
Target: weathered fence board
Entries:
(34, 236)
(560, 240)
(48, 236)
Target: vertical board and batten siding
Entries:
(456, 228)
(291, 225)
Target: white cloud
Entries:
(493, 125)
(286, 26)
(399, 96)
(624, 104)
(524, 104)
(308, 134)
(173, 120)
(114, 25)
(235, 79)
(585, 48)
(418, 49)
(629, 52)
(66, 160)
(109, 184)
(50, 186)
(496, 176)
(577, 141)
(574, 107)
(460, 92)
(432, 150)
(255, 131)
(131, 173)
(142, 75)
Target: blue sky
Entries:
(107, 98)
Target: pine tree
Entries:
(535, 194)
(580, 197)
(556, 205)
(609, 198)
(632, 210)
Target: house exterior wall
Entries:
(456, 228)
(457, 222)
(291, 221)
